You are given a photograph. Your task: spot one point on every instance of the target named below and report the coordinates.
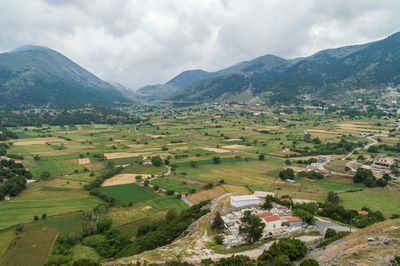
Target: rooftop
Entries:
(292, 219)
(244, 198)
(272, 218)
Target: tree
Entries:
(305, 215)
(365, 176)
(138, 178)
(261, 157)
(170, 215)
(333, 197)
(36, 218)
(387, 177)
(286, 174)
(193, 164)
(45, 175)
(267, 205)
(294, 249)
(146, 183)
(288, 162)
(382, 182)
(330, 233)
(309, 262)
(44, 216)
(218, 224)
(103, 226)
(252, 227)
(156, 161)
(85, 262)
(216, 160)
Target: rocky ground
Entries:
(375, 245)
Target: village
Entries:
(279, 220)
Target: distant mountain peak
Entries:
(31, 48)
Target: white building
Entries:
(245, 201)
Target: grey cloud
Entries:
(136, 42)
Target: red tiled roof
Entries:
(271, 218)
(291, 219)
(362, 212)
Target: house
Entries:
(292, 221)
(272, 222)
(245, 201)
(383, 163)
(263, 194)
(362, 212)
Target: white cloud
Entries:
(137, 42)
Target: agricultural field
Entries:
(204, 153)
(129, 193)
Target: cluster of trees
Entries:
(366, 177)
(341, 147)
(287, 174)
(251, 227)
(335, 211)
(108, 242)
(72, 116)
(166, 231)
(314, 174)
(309, 161)
(284, 252)
(6, 134)
(12, 178)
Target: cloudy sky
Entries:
(137, 42)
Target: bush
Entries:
(216, 160)
(330, 233)
(170, 192)
(293, 248)
(286, 174)
(309, 262)
(156, 161)
(103, 225)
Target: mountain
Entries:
(185, 79)
(371, 66)
(181, 81)
(39, 76)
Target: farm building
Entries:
(245, 201)
(272, 221)
(292, 221)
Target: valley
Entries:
(134, 174)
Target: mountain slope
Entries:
(329, 72)
(39, 76)
(179, 84)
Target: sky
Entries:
(139, 42)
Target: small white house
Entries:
(272, 222)
(245, 201)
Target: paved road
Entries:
(324, 224)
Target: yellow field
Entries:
(206, 195)
(122, 179)
(236, 189)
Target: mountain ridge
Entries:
(39, 76)
(324, 73)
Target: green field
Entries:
(187, 139)
(33, 244)
(168, 202)
(130, 193)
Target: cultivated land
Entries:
(76, 155)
